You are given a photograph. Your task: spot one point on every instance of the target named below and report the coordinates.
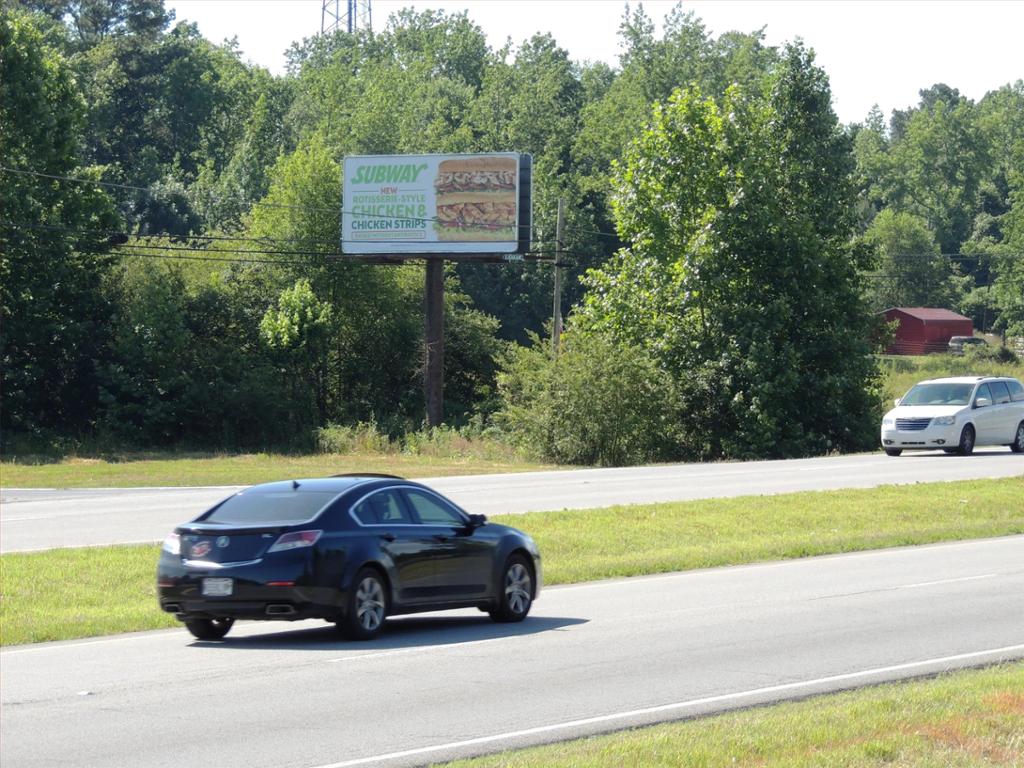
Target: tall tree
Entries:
(938, 161)
(910, 270)
(92, 21)
(739, 274)
(53, 318)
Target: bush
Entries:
(360, 438)
(595, 403)
(983, 353)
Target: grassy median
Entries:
(68, 593)
(165, 469)
(970, 719)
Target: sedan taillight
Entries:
(295, 540)
(172, 544)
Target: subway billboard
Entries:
(437, 204)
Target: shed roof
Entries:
(929, 313)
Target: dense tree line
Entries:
(169, 225)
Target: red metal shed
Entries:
(925, 329)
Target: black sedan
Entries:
(349, 549)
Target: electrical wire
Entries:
(432, 219)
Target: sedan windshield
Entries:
(938, 394)
(284, 507)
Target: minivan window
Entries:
(277, 507)
(1016, 390)
(983, 391)
(999, 392)
(938, 394)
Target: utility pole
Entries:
(556, 315)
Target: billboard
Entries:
(422, 204)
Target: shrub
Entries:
(988, 354)
(595, 403)
(360, 438)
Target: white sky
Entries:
(874, 51)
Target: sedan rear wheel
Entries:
(367, 607)
(209, 629)
(516, 591)
(966, 446)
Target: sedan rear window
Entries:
(283, 507)
(938, 394)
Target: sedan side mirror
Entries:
(982, 402)
(475, 521)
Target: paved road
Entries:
(41, 519)
(592, 657)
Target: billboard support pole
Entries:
(433, 372)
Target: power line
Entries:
(117, 237)
(147, 190)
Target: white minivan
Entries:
(955, 415)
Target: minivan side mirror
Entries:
(896, 402)
(982, 402)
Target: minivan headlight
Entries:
(945, 420)
(888, 421)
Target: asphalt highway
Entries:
(592, 657)
(46, 518)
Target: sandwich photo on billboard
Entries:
(476, 199)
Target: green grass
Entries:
(903, 372)
(68, 593)
(170, 469)
(972, 719)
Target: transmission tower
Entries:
(349, 15)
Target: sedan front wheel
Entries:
(516, 591)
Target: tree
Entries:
(910, 271)
(300, 330)
(53, 318)
(739, 276)
(92, 21)
(938, 160)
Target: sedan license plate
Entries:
(217, 587)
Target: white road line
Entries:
(669, 707)
(949, 581)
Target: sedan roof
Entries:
(338, 484)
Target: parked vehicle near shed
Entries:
(349, 549)
(955, 415)
(960, 344)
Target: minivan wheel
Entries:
(966, 445)
(208, 629)
(515, 591)
(367, 606)
(1017, 446)
(893, 451)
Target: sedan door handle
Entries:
(443, 538)
(388, 536)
